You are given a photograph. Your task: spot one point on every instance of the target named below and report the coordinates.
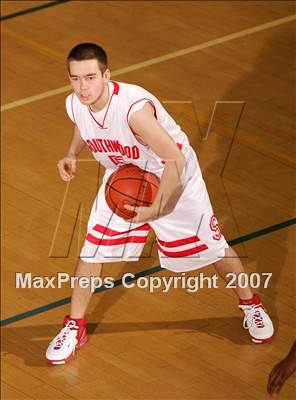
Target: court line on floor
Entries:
(158, 60)
(32, 9)
(146, 272)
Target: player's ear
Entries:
(107, 74)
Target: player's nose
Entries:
(83, 84)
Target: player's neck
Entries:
(101, 103)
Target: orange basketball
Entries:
(132, 185)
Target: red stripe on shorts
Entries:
(184, 253)
(179, 242)
(113, 242)
(111, 232)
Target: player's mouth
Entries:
(84, 97)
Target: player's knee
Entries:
(227, 254)
(224, 258)
(88, 269)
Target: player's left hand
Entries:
(143, 214)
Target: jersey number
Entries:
(117, 160)
(215, 228)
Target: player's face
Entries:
(87, 80)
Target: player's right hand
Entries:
(67, 168)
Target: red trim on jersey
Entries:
(115, 87)
(114, 242)
(111, 232)
(179, 242)
(72, 108)
(115, 92)
(137, 137)
(184, 253)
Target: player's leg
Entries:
(189, 238)
(232, 264)
(81, 295)
(108, 239)
(74, 334)
(256, 319)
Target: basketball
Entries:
(131, 185)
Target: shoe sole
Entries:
(65, 360)
(258, 341)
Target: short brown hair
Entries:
(89, 51)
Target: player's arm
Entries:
(282, 371)
(67, 166)
(144, 123)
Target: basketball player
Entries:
(125, 124)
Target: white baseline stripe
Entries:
(158, 60)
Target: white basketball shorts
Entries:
(187, 238)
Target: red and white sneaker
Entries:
(72, 337)
(256, 320)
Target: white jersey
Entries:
(108, 135)
(188, 237)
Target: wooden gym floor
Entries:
(175, 345)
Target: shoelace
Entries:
(65, 332)
(253, 314)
